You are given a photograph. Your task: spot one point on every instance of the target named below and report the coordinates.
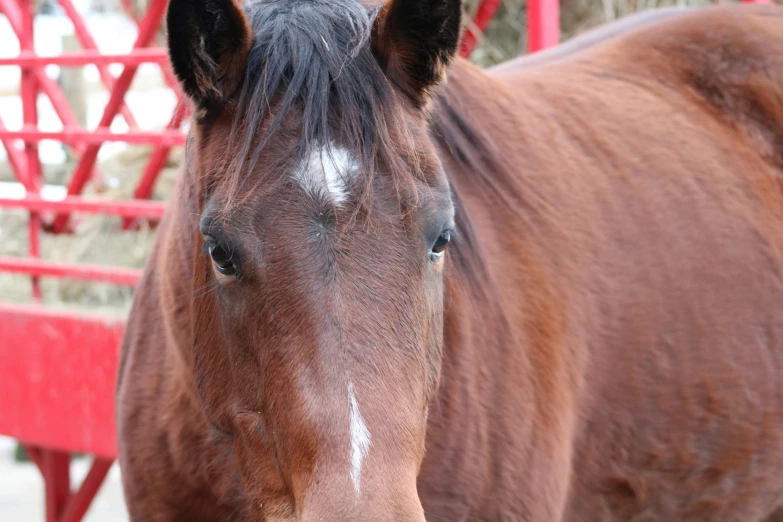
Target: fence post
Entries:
(29, 88)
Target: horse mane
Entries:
(469, 149)
(472, 153)
(476, 154)
(314, 57)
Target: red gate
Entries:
(57, 370)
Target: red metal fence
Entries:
(57, 369)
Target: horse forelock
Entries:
(311, 63)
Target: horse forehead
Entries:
(327, 170)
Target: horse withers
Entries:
(547, 292)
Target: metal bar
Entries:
(80, 501)
(156, 162)
(155, 165)
(158, 157)
(39, 267)
(481, 20)
(543, 22)
(47, 352)
(83, 34)
(95, 137)
(57, 478)
(127, 5)
(171, 80)
(48, 86)
(34, 453)
(75, 59)
(165, 69)
(16, 158)
(59, 103)
(29, 92)
(131, 209)
(151, 172)
(80, 176)
(12, 13)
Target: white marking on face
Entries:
(327, 169)
(360, 440)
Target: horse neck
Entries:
(472, 129)
(503, 316)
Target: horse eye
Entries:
(222, 259)
(440, 245)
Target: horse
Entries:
(393, 286)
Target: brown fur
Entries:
(606, 335)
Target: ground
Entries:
(22, 490)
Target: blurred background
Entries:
(103, 240)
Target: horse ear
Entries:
(208, 45)
(415, 40)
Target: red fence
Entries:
(58, 369)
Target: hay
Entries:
(97, 240)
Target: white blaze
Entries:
(360, 440)
(327, 169)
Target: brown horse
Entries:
(543, 293)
